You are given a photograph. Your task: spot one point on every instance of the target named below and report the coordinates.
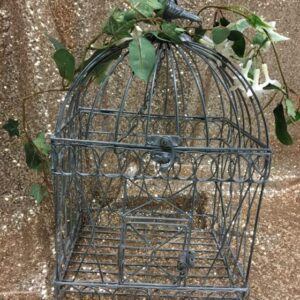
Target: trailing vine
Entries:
(245, 41)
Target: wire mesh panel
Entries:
(158, 185)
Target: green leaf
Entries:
(129, 15)
(161, 11)
(180, 30)
(224, 22)
(64, 60)
(56, 44)
(87, 61)
(39, 192)
(12, 127)
(157, 35)
(259, 39)
(199, 33)
(33, 159)
(146, 7)
(101, 70)
(171, 32)
(241, 25)
(40, 143)
(120, 16)
(290, 108)
(281, 126)
(155, 4)
(257, 22)
(36, 151)
(120, 24)
(239, 45)
(297, 117)
(220, 34)
(274, 87)
(276, 37)
(235, 35)
(142, 57)
(65, 63)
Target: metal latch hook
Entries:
(167, 155)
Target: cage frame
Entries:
(259, 148)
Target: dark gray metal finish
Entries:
(158, 185)
(173, 11)
(166, 156)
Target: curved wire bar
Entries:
(158, 185)
(221, 70)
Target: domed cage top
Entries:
(158, 185)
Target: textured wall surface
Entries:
(26, 67)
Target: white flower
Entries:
(244, 71)
(268, 80)
(241, 25)
(257, 88)
(275, 37)
(205, 40)
(225, 48)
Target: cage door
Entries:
(153, 250)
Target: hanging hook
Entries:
(173, 11)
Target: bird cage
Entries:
(158, 184)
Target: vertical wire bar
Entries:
(79, 81)
(254, 102)
(198, 81)
(237, 212)
(58, 208)
(81, 192)
(231, 215)
(101, 90)
(152, 84)
(167, 86)
(121, 252)
(181, 88)
(221, 78)
(175, 89)
(122, 106)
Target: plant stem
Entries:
(195, 27)
(45, 161)
(258, 51)
(236, 10)
(215, 17)
(271, 100)
(46, 177)
(88, 47)
(24, 101)
(293, 92)
(157, 19)
(278, 63)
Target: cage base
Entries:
(147, 271)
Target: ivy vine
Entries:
(245, 41)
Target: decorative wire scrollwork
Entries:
(158, 185)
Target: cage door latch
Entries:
(185, 261)
(166, 156)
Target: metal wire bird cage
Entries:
(158, 185)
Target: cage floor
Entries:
(149, 262)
